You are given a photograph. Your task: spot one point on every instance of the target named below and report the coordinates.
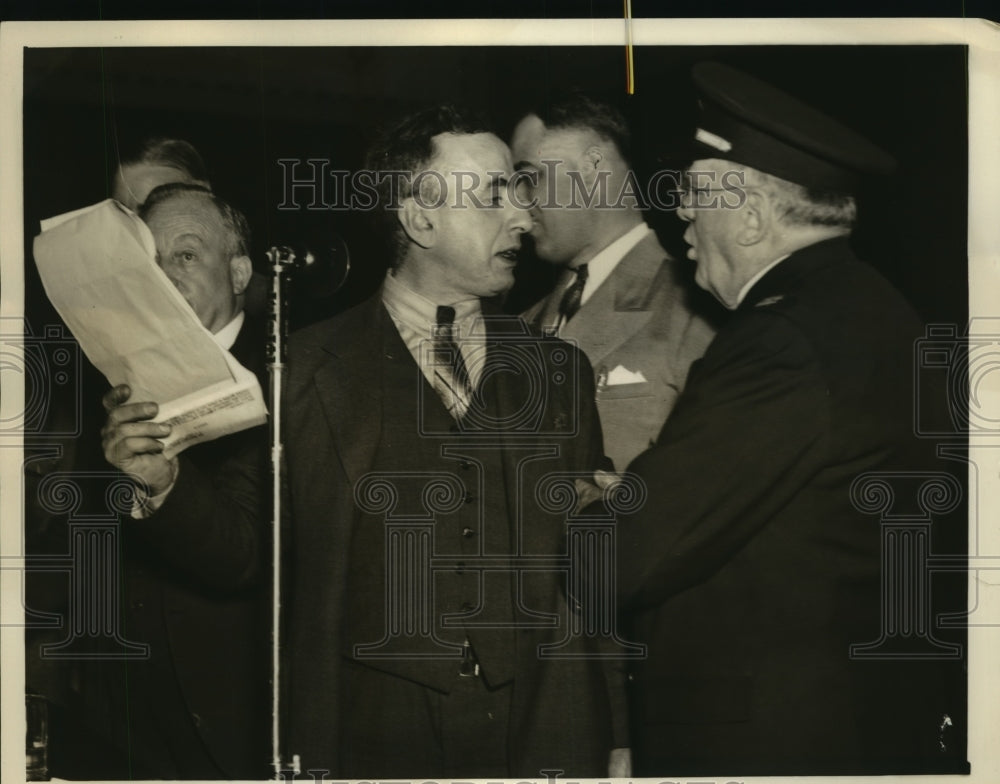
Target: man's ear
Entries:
(416, 222)
(594, 157)
(240, 270)
(758, 215)
(592, 161)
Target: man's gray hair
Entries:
(237, 228)
(798, 205)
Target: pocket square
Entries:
(622, 375)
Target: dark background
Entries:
(244, 108)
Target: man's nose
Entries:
(520, 218)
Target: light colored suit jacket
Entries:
(641, 333)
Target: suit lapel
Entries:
(350, 391)
(620, 307)
(544, 314)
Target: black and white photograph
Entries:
(500, 400)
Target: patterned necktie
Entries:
(573, 297)
(454, 384)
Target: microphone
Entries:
(319, 267)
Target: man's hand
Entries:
(130, 440)
(587, 493)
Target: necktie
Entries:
(571, 300)
(454, 384)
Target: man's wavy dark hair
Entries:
(578, 109)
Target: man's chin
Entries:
(499, 286)
(552, 255)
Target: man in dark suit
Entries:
(621, 298)
(198, 707)
(421, 431)
(753, 566)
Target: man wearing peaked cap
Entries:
(748, 572)
(748, 121)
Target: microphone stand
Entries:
(282, 261)
(319, 274)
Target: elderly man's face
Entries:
(192, 248)
(561, 224)
(477, 227)
(711, 208)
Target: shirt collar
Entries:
(604, 263)
(753, 281)
(226, 336)
(418, 312)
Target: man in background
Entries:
(621, 298)
(158, 161)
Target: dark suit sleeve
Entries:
(211, 525)
(749, 431)
(590, 449)
(591, 435)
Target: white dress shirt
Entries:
(603, 264)
(415, 316)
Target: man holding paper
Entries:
(198, 707)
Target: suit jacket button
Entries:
(468, 533)
(460, 568)
(469, 498)
(466, 607)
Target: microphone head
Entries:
(322, 266)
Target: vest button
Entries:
(466, 465)
(468, 533)
(460, 568)
(469, 498)
(466, 607)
